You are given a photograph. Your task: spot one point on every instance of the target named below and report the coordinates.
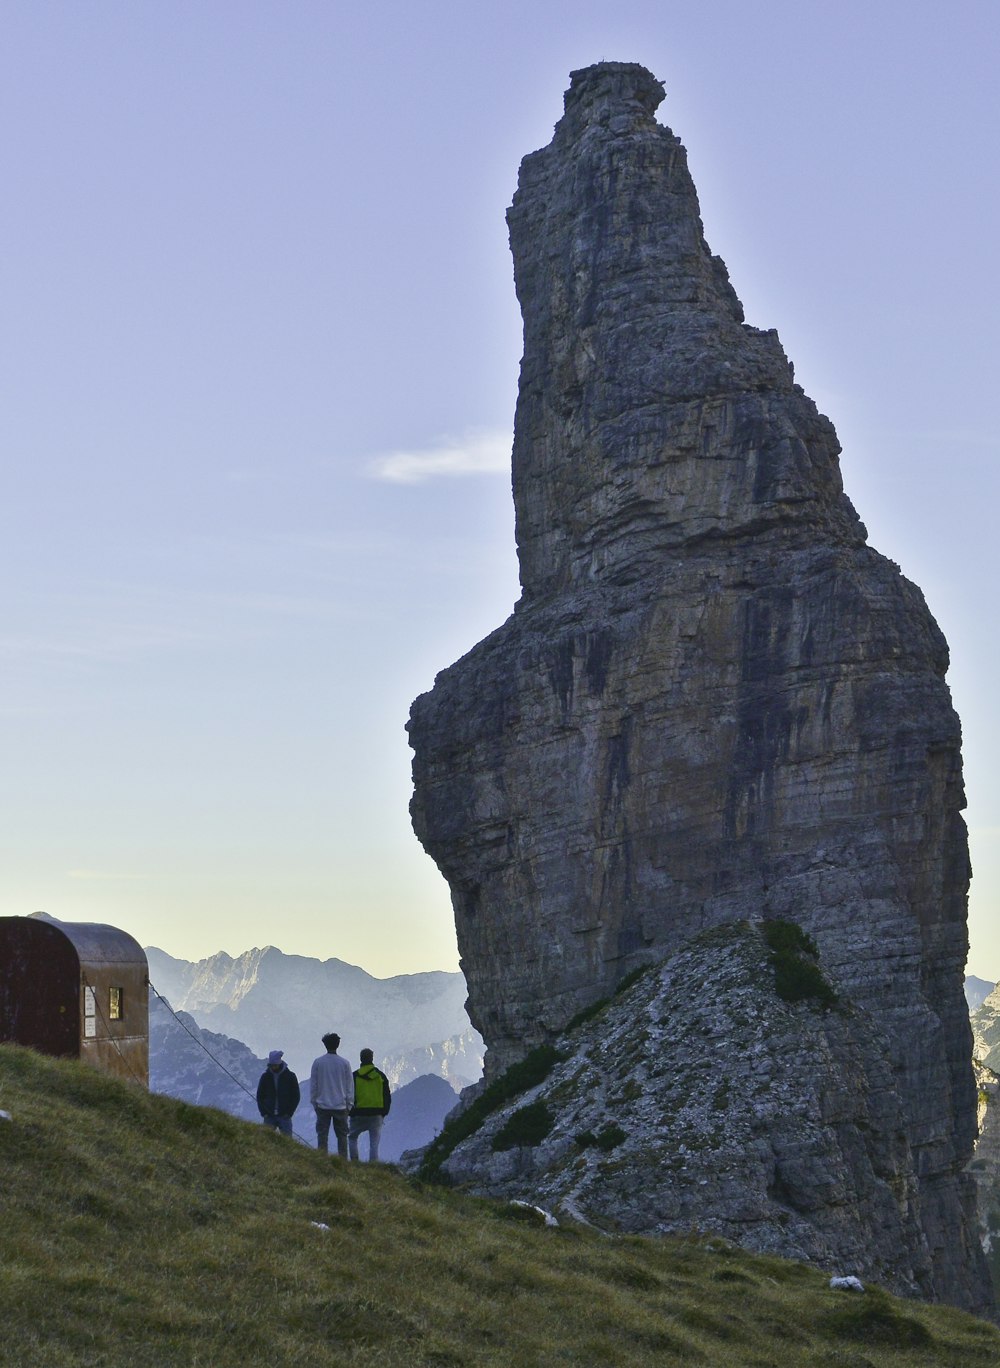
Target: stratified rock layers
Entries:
(713, 702)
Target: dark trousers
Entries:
(340, 1126)
(279, 1123)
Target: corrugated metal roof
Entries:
(94, 942)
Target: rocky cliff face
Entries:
(714, 702)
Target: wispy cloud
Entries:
(968, 437)
(110, 623)
(475, 453)
(87, 640)
(102, 875)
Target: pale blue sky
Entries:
(256, 285)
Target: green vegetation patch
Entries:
(527, 1073)
(595, 1009)
(526, 1127)
(607, 1139)
(794, 958)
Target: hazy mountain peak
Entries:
(416, 1023)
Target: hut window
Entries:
(115, 1012)
(89, 1012)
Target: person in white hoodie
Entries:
(331, 1091)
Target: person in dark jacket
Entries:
(372, 1101)
(277, 1094)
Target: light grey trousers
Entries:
(371, 1124)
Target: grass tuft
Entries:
(606, 1139)
(596, 1008)
(875, 1318)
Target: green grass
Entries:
(797, 975)
(135, 1230)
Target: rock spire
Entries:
(714, 703)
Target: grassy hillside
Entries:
(139, 1230)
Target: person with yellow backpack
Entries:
(372, 1100)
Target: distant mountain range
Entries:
(417, 1114)
(211, 1069)
(415, 1023)
(182, 1063)
(986, 1030)
(977, 990)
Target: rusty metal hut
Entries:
(75, 989)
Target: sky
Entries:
(258, 366)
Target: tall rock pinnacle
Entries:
(714, 703)
(649, 415)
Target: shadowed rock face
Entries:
(714, 702)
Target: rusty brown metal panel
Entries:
(39, 986)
